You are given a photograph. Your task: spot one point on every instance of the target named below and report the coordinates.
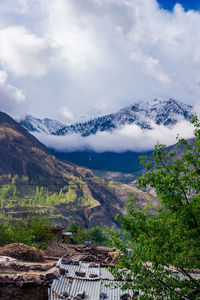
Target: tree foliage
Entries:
(81, 234)
(33, 231)
(165, 241)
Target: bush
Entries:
(80, 234)
(33, 231)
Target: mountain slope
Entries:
(21, 152)
(45, 126)
(60, 190)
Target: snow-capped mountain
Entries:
(45, 126)
(166, 112)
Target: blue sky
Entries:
(187, 4)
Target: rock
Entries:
(103, 295)
(63, 271)
(125, 297)
(65, 295)
(80, 274)
(20, 268)
(53, 273)
(51, 276)
(93, 275)
(81, 295)
(66, 261)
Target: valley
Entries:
(33, 181)
(122, 166)
(99, 149)
(86, 187)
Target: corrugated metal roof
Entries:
(113, 292)
(105, 274)
(71, 270)
(82, 267)
(93, 287)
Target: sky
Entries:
(66, 59)
(186, 4)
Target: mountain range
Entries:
(121, 166)
(165, 112)
(32, 181)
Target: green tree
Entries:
(97, 235)
(164, 241)
(80, 234)
(33, 231)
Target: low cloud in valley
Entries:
(126, 138)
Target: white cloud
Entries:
(67, 114)
(71, 36)
(18, 7)
(3, 76)
(12, 99)
(123, 50)
(120, 51)
(126, 138)
(150, 66)
(23, 53)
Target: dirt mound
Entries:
(22, 252)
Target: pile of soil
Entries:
(22, 252)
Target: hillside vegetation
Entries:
(32, 181)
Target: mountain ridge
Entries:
(45, 126)
(165, 112)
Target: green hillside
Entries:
(32, 181)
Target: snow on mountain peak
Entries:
(165, 112)
(45, 126)
(159, 111)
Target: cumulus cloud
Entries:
(12, 99)
(126, 138)
(84, 51)
(123, 50)
(22, 53)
